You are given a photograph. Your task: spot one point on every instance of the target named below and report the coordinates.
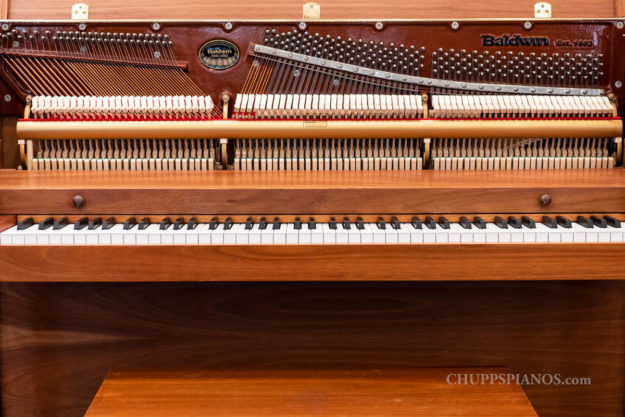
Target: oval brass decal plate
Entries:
(219, 54)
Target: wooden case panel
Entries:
(289, 9)
(321, 192)
(58, 341)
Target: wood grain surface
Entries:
(313, 262)
(419, 392)
(289, 9)
(364, 192)
(58, 341)
(7, 221)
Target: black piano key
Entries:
(144, 223)
(81, 223)
(612, 221)
(130, 223)
(395, 224)
(262, 223)
(584, 221)
(563, 222)
(297, 225)
(416, 222)
(430, 223)
(179, 223)
(528, 222)
(312, 224)
(165, 223)
(25, 224)
(212, 225)
(444, 223)
(60, 223)
(46, 223)
(599, 222)
(514, 222)
(360, 224)
(249, 223)
(501, 222)
(276, 224)
(479, 222)
(332, 224)
(193, 223)
(549, 222)
(95, 223)
(108, 223)
(465, 223)
(346, 223)
(381, 223)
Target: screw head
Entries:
(78, 201)
(228, 25)
(455, 25)
(257, 48)
(302, 26)
(82, 26)
(545, 200)
(527, 25)
(379, 25)
(7, 97)
(618, 84)
(156, 26)
(5, 26)
(619, 25)
(15, 44)
(157, 54)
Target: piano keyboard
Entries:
(346, 231)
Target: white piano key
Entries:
(442, 235)
(392, 235)
(266, 235)
(542, 233)
(279, 235)
(379, 235)
(342, 235)
(354, 235)
(292, 234)
(316, 235)
(230, 235)
(579, 233)
(242, 235)
(217, 235)
(304, 235)
(366, 234)
(403, 235)
(329, 235)
(416, 235)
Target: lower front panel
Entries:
(58, 341)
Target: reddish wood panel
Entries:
(288, 9)
(350, 192)
(6, 222)
(421, 392)
(313, 262)
(58, 341)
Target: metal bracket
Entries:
(80, 11)
(311, 11)
(542, 10)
